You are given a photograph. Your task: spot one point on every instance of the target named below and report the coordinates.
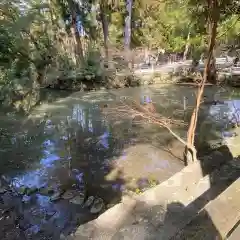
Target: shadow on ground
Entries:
(174, 220)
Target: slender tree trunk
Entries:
(104, 20)
(187, 47)
(76, 37)
(127, 31)
(190, 151)
(146, 55)
(212, 71)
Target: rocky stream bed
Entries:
(31, 213)
(39, 160)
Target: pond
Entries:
(82, 143)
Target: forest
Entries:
(42, 42)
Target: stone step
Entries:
(217, 218)
(149, 209)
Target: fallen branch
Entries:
(134, 109)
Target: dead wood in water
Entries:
(132, 110)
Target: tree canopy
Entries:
(59, 37)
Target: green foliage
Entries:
(42, 43)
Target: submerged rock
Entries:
(56, 196)
(69, 194)
(97, 206)
(89, 201)
(79, 200)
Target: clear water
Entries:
(82, 141)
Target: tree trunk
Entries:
(187, 47)
(76, 37)
(212, 71)
(190, 151)
(127, 31)
(104, 20)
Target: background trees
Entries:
(64, 32)
(42, 41)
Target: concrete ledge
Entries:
(217, 218)
(106, 225)
(187, 177)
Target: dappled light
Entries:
(88, 146)
(119, 119)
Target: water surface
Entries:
(82, 141)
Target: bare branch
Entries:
(229, 27)
(131, 108)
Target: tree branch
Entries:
(229, 28)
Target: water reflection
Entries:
(67, 149)
(79, 148)
(233, 110)
(104, 140)
(39, 177)
(79, 141)
(80, 138)
(226, 112)
(226, 116)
